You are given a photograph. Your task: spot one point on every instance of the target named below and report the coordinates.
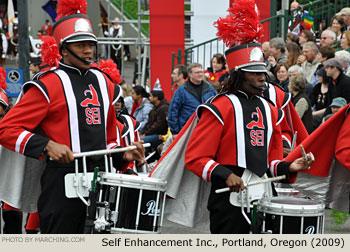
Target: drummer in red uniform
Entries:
(73, 106)
(238, 134)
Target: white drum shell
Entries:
(129, 181)
(289, 206)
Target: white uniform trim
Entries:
(237, 106)
(104, 92)
(20, 140)
(131, 129)
(269, 124)
(206, 169)
(38, 86)
(272, 94)
(72, 110)
(211, 110)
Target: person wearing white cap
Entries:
(73, 106)
(238, 136)
(345, 13)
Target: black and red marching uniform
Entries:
(291, 122)
(127, 133)
(72, 108)
(235, 132)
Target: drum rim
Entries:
(265, 205)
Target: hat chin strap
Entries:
(251, 84)
(65, 46)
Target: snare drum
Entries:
(130, 204)
(288, 215)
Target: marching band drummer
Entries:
(127, 126)
(73, 106)
(238, 133)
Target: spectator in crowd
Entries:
(141, 105)
(157, 124)
(310, 65)
(266, 51)
(344, 56)
(179, 75)
(281, 73)
(3, 48)
(297, 14)
(336, 105)
(277, 55)
(345, 13)
(295, 70)
(47, 28)
(319, 98)
(34, 65)
(328, 38)
(306, 36)
(223, 77)
(127, 95)
(217, 86)
(301, 59)
(340, 84)
(325, 53)
(345, 41)
(301, 101)
(322, 27)
(216, 69)
(337, 25)
(292, 37)
(292, 51)
(188, 97)
(115, 31)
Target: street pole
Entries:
(23, 37)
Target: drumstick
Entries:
(150, 155)
(102, 152)
(226, 189)
(310, 155)
(303, 152)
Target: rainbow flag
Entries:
(308, 21)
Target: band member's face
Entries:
(83, 49)
(256, 79)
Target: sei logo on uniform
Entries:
(93, 115)
(257, 128)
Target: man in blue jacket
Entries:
(188, 97)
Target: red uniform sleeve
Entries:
(203, 144)
(16, 128)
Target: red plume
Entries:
(110, 68)
(241, 25)
(50, 54)
(70, 7)
(3, 84)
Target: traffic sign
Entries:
(14, 81)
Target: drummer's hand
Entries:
(235, 183)
(59, 152)
(286, 152)
(138, 154)
(300, 164)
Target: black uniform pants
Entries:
(57, 213)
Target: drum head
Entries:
(290, 206)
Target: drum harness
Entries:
(77, 184)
